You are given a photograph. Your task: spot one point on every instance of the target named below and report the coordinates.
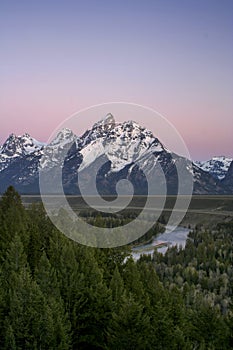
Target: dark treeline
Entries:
(57, 294)
(121, 220)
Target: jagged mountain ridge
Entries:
(18, 147)
(216, 166)
(122, 145)
(228, 179)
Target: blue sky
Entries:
(174, 56)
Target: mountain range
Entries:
(217, 166)
(125, 151)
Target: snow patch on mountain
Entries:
(126, 145)
(108, 121)
(123, 144)
(57, 150)
(63, 137)
(217, 166)
(18, 146)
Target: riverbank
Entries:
(177, 237)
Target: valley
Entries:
(202, 209)
(180, 299)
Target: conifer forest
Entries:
(58, 294)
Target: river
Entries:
(167, 239)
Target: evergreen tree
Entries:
(13, 219)
(9, 341)
(117, 287)
(132, 281)
(92, 305)
(130, 327)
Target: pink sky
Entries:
(174, 58)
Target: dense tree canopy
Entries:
(57, 294)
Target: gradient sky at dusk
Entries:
(171, 55)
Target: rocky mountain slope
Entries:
(217, 166)
(124, 151)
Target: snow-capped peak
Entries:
(107, 121)
(123, 144)
(132, 129)
(216, 166)
(20, 145)
(63, 137)
(100, 129)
